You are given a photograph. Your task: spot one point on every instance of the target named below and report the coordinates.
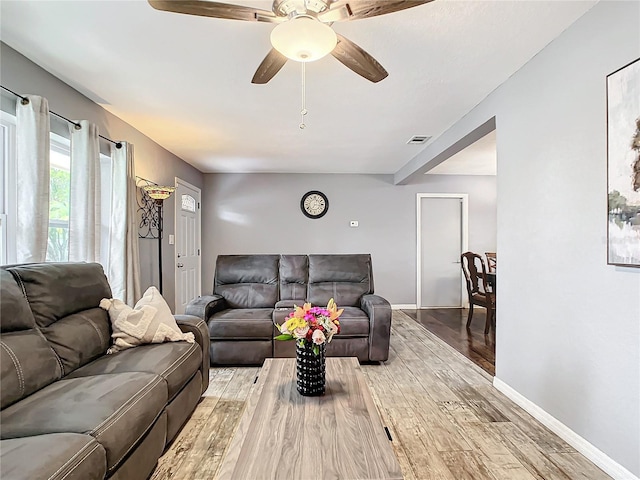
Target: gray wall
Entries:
(152, 161)
(568, 335)
(260, 213)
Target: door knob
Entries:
(179, 255)
(180, 265)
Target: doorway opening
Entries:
(471, 168)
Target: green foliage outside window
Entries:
(58, 244)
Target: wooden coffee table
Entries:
(283, 435)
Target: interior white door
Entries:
(441, 240)
(188, 253)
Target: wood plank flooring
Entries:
(446, 420)
(450, 325)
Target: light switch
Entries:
(172, 239)
(353, 223)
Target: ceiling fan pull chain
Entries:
(303, 112)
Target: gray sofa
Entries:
(251, 292)
(68, 411)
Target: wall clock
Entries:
(314, 204)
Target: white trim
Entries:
(465, 240)
(10, 186)
(3, 239)
(176, 213)
(403, 306)
(597, 456)
(434, 307)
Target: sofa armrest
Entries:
(379, 312)
(195, 325)
(205, 306)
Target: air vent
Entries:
(416, 139)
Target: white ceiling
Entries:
(479, 158)
(185, 81)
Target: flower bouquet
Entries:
(317, 325)
(312, 328)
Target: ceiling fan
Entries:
(304, 30)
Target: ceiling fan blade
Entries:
(271, 65)
(370, 8)
(355, 58)
(338, 14)
(205, 8)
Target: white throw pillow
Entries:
(150, 321)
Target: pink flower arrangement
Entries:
(316, 325)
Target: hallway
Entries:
(449, 324)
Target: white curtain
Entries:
(85, 200)
(33, 172)
(124, 257)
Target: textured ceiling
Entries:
(185, 81)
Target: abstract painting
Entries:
(623, 165)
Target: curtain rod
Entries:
(148, 182)
(77, 126)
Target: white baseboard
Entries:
(601, 459)
(403, 306)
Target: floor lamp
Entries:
(159, 194)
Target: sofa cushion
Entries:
(79, 338)
(354, 322)
(175, 362)
(27, 362)
(247, 281)
(140, 464)
(294, 275)
(345, 278)
(15, 313)
(57, 456)
(55, 290)
(64, 298)
(243, 323)
(115, 409)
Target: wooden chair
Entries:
(475, 274)
(492, 260)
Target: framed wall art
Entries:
(623, 165)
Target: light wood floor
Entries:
(446, 419)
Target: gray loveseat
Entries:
(68, 410)
(251, 292)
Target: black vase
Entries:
(310, 369)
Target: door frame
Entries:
(178, 208)
(465, 240)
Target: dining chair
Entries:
(478, 288)
(492, 260)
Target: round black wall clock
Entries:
(314, 204)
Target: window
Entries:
(8, 189)
(59, 187)
(59, 195)
(3, 216)
(59, 191)
(188, 203)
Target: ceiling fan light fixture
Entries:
(303, 39)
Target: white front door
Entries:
(442, 238)
(188, 264)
